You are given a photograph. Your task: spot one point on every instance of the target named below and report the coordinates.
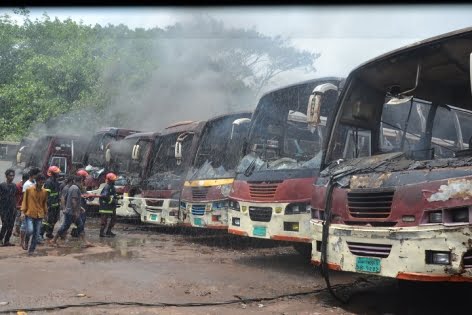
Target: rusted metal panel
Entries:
(400, 250)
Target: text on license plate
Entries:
(368, 264)
(153, 217)
(197, 221)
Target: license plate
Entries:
(153, 217)
(197, 221)
(259, 231)
(368, 264)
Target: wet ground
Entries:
(179, 266)
(145, 266)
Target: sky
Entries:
(346, 36)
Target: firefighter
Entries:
(52, 186)
(83, 215)
(108, 206)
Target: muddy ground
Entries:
(154, 265)
(146, 264)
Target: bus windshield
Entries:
(280, 137)
(219, 150)
(164, 169)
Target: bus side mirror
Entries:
(108, 155)
(178, 152)
(135, 152)
(470, 71)
(242, 123)
(313, 111)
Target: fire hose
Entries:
(238, 299)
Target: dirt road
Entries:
(150, 265)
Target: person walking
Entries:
(107, 208)
(7, 207)
(83, 203)
(52, 186)
(72, 212)
(34, 209)
(33, 173)
(19, 200)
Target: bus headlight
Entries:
(297, 208)
(234, 205)
(435, 217)
(438, 258)
(173, 204)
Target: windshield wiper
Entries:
(250, 169)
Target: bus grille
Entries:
(370, 250)
(198, 209)
(263, 190)
(199, 192)
(260, 214)
(371, 204)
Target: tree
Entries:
(56, 74)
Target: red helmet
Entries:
(82, 173)
(53, 170)
(111, 177)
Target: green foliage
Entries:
(62, 73)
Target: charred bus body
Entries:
(64, 151)
(23, 153)
(128, 159)
(173, 152)
(210, 178)
(95, 156)
(400, 206)
(272, 190)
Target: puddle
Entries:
(108, 256)
(123, 248)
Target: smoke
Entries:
(190, 83)
(80, 122)
(193, 70)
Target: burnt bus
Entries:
(95, 155)
(128, 159)
(394, 198)
(23, 152)
(210, 178)
(272, 190)
(179, 145)
(64, 151)
(173, 152)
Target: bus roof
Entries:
(148, 135)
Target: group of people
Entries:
(31, 208)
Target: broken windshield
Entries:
(121, 156)
(96, 149)
(418, 128)
(288, 144)
(220, 149)
(280, 137)
(164, 170)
